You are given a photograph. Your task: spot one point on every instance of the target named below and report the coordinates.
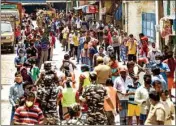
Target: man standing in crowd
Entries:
(121, 83)
(132, 48)
(29, 114)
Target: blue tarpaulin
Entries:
(27, 1)
(118, 13)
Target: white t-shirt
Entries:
(78, 23)
(152, 55)
(122, 86)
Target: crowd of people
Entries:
(119, 74)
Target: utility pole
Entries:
(159, 14)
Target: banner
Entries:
(25, 1)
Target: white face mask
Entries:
(29, 103)
(158, 61)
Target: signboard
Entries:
(90, 9)
(7, 6)
(26, 1)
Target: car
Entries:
(7, 36)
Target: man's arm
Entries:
(137, 97)
(11, 97)
(160, 116)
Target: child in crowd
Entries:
(123, 53)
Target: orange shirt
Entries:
(112, 92)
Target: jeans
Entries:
(123, 112)
(117, 52)
(78, 54)
(12, 115)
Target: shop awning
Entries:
(79, 8)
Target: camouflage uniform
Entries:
(47, 93)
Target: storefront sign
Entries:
(91, 9)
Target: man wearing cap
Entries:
(153, 53)
(121, 83)
(103, 71)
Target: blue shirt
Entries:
(16, 92)
(20, 60)
(165, 67)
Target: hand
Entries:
(120, 107)
(161, 70)
(114, 112)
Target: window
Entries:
(148, 26)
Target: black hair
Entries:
(112, 56)
(141, 34)
(101, 61)
(17, 73)
(154, 96)
(156, 71)
(130, 63)
(109, 82)
(68, 84)
(147, 76)
(101, 47)
(66, 57)
(131, 35)
(31, 95)
(166, 92)
(156, 82)
(26, 83)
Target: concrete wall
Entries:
(133, 15)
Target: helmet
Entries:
(66, 56)
(47, 66)
(93, 76)
(110, 49)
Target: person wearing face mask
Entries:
(29, 114)
(16, 92)
(164, 69)
(153, 53)
(157, 113)
(141, 97)
(20, 60)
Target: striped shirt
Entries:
(132, 89)
(28, 116)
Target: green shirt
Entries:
(35, 73)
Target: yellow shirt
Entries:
(132, 47)
(76, 40)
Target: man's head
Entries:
(156, 71)
(109, 82)
(141, 35)
(101, 50)
(30, 99)
(123, 72)
(86, 45)
(47, 66)
(164, 95)
(154, 97)
(157, 85)
(147, 80)
(66, 57)
(21, 52)
(131, 38)
(18, 78)
(153, 45)
(93, 77)
(158, 59)
(84, 68)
